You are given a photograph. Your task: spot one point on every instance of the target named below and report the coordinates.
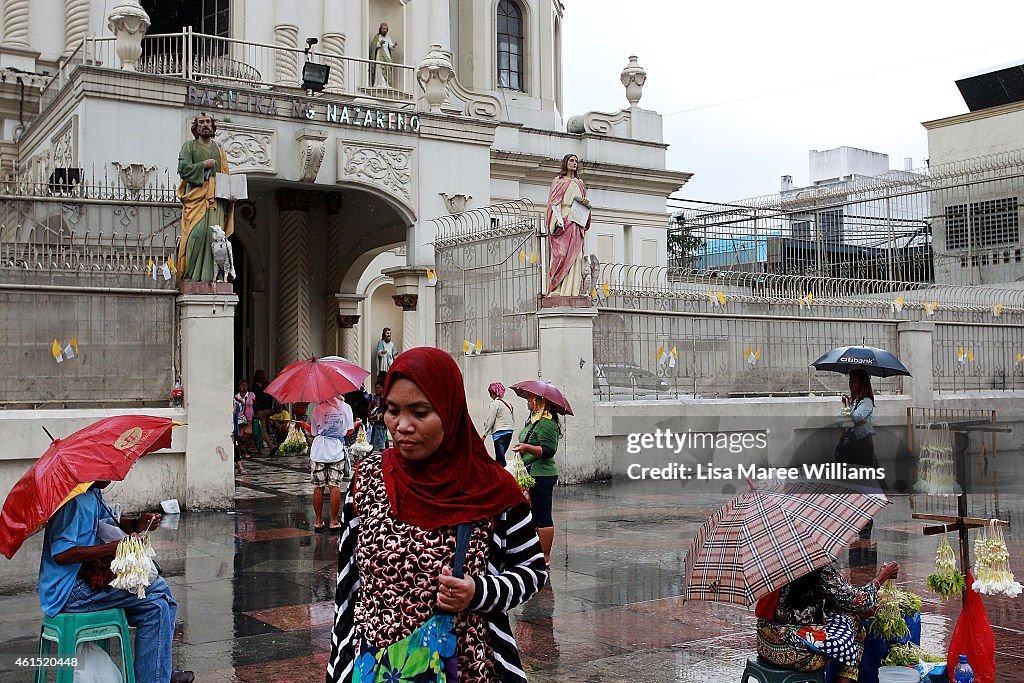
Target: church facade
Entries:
(344, 184)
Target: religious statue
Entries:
(566, 225)
(382, 54)
(199, 162)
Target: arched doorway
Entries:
(309, 242)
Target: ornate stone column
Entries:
(76, 24)
(410, 335)
(347, 307)
(128, 21)
(332, 331)
(286, 63)
(334, 43)
(16, 23)
(441, 23)
(407, 281)
(293, 275)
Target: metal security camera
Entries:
(312, 41)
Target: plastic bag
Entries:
(973, 637)
(95, 665)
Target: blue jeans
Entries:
(152, 616)
(500, 446)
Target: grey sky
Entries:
(748, 88)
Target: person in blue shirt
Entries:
(70, 541)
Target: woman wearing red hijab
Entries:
(399, 533)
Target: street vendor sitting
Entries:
(811, 621)
(74, 561)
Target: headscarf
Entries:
(496, 388)
(460, 482)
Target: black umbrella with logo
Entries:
(876, 362)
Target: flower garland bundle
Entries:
(294, 443)
(894, 604)
(132, 564)
(947, 582)
(992, 564)
(517, 468)
(362, 446)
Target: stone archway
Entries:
(322, 238)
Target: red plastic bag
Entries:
(973, 637)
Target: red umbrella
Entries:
(547, 391)
(103, 451)
(316, 380)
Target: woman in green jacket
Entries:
(538, 443)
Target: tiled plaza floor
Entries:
(255, 586)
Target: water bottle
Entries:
(963, 673)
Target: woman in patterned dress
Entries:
(398, 539)
(807, 608)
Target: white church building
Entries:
(347, 177)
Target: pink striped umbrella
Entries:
(773, 534)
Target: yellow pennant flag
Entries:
(930, 307)
(58, 355)
(74, 344)
(806, 300)
(661, 355)
(606, 289)
(170, 264)
(897, 304)
(997, 310)
(717, 298)
(533, 257)
(152, 268)
(1020, 358)
(752, 355)
(522, 257)
(479, 346)
(673, 357)
(465, 347)
(431, 277)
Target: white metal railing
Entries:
(202, 57)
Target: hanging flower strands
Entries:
(992, 563)
(936, 470)
(133, 563)
(947, 582)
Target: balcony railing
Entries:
(202, 57)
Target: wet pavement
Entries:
(255, 586)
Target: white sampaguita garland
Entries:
(133, 564)
(993, 564)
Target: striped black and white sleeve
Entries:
(516, 569)
(339, 667)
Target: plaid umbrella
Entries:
(773, 534)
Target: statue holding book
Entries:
(567, 221)
(200, 162)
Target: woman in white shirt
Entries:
(499, 421)
(331, 421)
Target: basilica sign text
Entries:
(301, 108)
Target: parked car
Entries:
(627, 378)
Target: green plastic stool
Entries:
(766, 672)
(68, 630)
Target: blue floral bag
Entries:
(427, 655)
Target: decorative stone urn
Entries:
(434, 73)
(633, 78)
(129, 22)
(456, 203)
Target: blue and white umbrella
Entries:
(876, 362)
